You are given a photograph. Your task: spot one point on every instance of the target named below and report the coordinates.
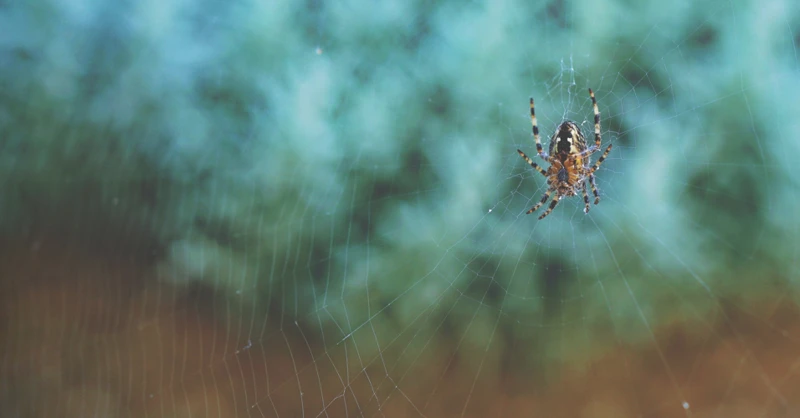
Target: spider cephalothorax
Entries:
(569, 158)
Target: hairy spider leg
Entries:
(600, 160)
(553, 204)
(585, 153)
(536, 133)
(596, 120)
(541, 202)
(533, 164)
(594, 189)
(585, 198)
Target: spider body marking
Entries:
(570, 161)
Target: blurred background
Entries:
(316, 209)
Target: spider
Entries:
(569, 160)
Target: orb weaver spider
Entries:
(569, 158)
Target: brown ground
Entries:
(85, 334)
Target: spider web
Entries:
(269, 210)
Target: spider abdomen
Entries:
(567, 140)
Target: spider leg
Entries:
(588, 151)
(553, 204)
(536, 133)
(596, 120)
(533, 164)
(600, 160)
(594, 190)
(586, 196)
(541, 202)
